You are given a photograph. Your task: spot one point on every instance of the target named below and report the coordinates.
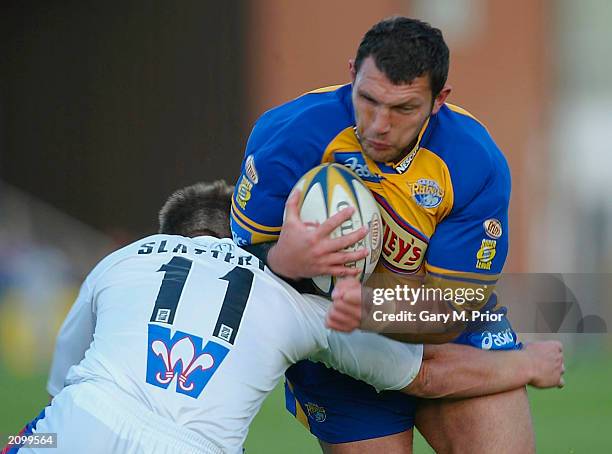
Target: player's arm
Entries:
(354, 307)
(434, 371)
(459, 371)
(277, 156)
(304, 250)
(74, 338)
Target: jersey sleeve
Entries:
(284, 144)
(73, 340)
(468, 249)
(269, 172)
(386, 364)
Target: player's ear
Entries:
(352, 70)
(441, 98)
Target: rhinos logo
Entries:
(316, 412)
(426, 193)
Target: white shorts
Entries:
(89, 420)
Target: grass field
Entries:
(577, 419)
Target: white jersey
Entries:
(198, 331)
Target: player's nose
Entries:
(381, 123)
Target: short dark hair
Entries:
(404, 49)
(200, 209)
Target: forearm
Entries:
(424, 338)
(458, 371)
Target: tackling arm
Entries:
(458, 371)
(435, 371)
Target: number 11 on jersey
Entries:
(180, 355)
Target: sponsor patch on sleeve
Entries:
(250, 170)
(486, 254)
(493, 228)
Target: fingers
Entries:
(344, 285)
(340, 271)
(341, 322)
(343, 242)
(345, 257)
(562, 380)
(335, 221)
(292, 213)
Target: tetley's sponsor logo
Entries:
(401, 251)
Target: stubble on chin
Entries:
(381, 156)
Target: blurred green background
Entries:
(576, 419)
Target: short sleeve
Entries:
(285, 143)
(469, 247)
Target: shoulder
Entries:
(475, 163)
(122, 254)
(312, 119)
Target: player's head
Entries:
(200, 209)
(399, 79)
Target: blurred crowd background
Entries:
(107, 107)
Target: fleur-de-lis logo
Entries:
(183, 351)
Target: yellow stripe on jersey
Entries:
(470, 291)
(324, 89)
(462, 111)
(462, 275)
(239, 216)
(300, 414)
(256, 236)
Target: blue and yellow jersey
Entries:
(444, 206)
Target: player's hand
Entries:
(547, 364)
(345, 312)
(306, 250)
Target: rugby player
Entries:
(443, 187)
(186, 296)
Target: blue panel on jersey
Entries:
(285, 143)
(474, 236)
(181, 358)
(356, 162)
(471, 156)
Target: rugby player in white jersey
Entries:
(175, 340)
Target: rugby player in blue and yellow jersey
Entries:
(443, 187)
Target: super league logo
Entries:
(181, 358)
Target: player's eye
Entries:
(404, 109)
(369, 99)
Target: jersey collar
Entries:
(404, 164)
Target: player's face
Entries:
(389, 117)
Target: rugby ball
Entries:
(328, 189)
